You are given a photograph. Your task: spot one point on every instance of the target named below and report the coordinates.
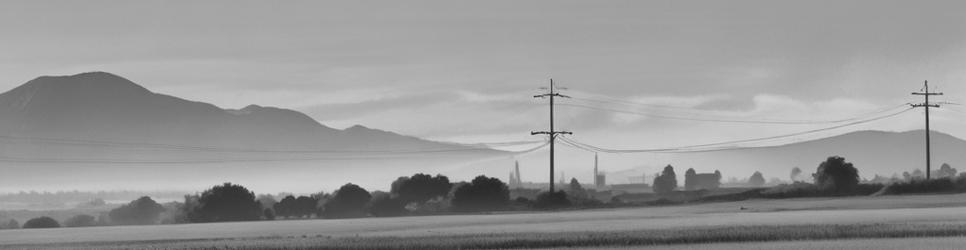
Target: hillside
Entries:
(872, 152)
(109, 109)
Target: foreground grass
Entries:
(666, 237)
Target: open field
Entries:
(745, 221)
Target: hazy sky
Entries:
(466, 71)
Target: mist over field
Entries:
(429, 124)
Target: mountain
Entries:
(872, 152)
(105, 116)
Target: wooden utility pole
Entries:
(551, 93)
(926, 105)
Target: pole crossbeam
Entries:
(552, 92)
(926, 105)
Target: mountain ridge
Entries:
(104, 106)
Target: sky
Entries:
(466, 71)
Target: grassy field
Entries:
(746, 222)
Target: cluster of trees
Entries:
(290, 206)
(143, 211)
(665, 182)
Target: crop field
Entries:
(781, 224)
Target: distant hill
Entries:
(872, 152)
(91, 115)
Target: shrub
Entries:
(802, 189)
(349, 201)
(227, 202)
(81, 220)
(837, 175)
(548, 200)
(41, 222)
(481, 194)
(939, 185)
(142, 211)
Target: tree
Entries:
(835, 174)
(666, 182)
(286, 207)
(227, 202)
(796, 172)
(305, 206)
(756, 179)
(421, 187)
(41, 222)
(945, 171)
(383, 204)
(349, 201)
(143, 211)
(267, 200)
(268, 214)
(481, 194)
(576, 190)
(80, 220)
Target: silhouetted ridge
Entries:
(99, 106)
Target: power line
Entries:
(669, 117)
(727, 120)
(719, 145)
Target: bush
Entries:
(349, 201)
(914, 186)
(227, 202)
(81, 220)
(666, 182)
(548, 200)
(482, 194)
(41, 222)
(142, 211)
(837, 175)
(802, 189)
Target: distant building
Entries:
(600, 179)
(515, 180)
(707, 181)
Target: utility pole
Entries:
(926, 105)
(551, 93)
